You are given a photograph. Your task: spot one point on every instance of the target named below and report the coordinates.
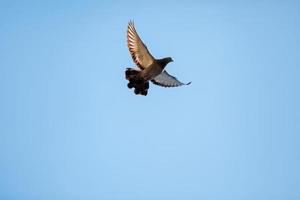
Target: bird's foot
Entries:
(141, 92)
(144, 92)
(130, 85)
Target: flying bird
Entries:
(149, 68)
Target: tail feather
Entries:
(131, 73)
(135, 81)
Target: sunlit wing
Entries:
(137, 48)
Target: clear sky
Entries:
(71, 129)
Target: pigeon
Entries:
(149, 68)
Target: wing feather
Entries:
(166, 80)
(138, 50)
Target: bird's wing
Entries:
(137, 48)
(166, 80)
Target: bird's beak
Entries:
(172, 60)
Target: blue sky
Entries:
(71, 129)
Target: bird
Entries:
(149, 68)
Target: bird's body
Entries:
(150, 69)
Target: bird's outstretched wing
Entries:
(137, 48)
(166, 80)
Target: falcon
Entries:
(149, 68)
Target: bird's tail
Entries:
(131, 74)
(135, 81)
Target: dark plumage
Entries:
(150, 69)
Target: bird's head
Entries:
(169, 59)
(163, 62)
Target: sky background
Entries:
(71, 129)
